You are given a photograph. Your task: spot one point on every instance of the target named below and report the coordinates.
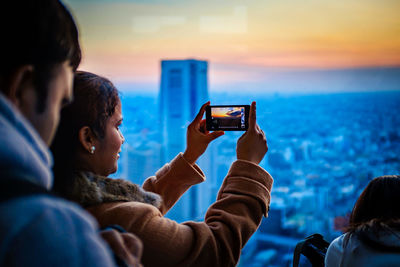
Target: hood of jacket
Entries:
(23, 154)
(91, 189)
(378, 234)
(382, 240)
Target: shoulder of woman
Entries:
(334, 252)
(338, 241)
(125, 214)
(130, 208)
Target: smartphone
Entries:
(227, 117)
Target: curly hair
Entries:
(95, 100)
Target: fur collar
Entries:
(90, 189)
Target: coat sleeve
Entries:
(242, 201)
(173, 180)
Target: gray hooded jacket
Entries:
(40, 230)
(354, 253)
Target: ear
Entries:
(19, 87)
(86, 138)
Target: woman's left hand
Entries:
(197, 137)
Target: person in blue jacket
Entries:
(39, 54)
(373, 235)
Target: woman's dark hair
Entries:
(95, 100)
(380, 200)
(376, 211)
(378, 206)
(39, 33)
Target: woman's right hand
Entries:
(252, 145)
(198, 137)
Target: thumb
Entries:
(252, 117)
(215, 135)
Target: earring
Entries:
(92, 149)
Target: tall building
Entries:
(183, 89)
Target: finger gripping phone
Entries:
(227, 117)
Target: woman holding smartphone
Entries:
(86, 150)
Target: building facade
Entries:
(183, 89)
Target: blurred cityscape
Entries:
(323, 150)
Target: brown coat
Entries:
(241, 202)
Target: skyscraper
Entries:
(183, 89)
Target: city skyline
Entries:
(323, 150)
(283, 46)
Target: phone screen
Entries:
(227, 118)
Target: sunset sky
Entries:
(271, 45)
(225, 112)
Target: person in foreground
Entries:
(39, 53)
(86, 151)
(373, 236)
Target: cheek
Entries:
(50, 119)
(53, 123)
(117, 140)
(113, 144)
(54, 118)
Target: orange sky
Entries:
(222, 112)
(125, 40)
